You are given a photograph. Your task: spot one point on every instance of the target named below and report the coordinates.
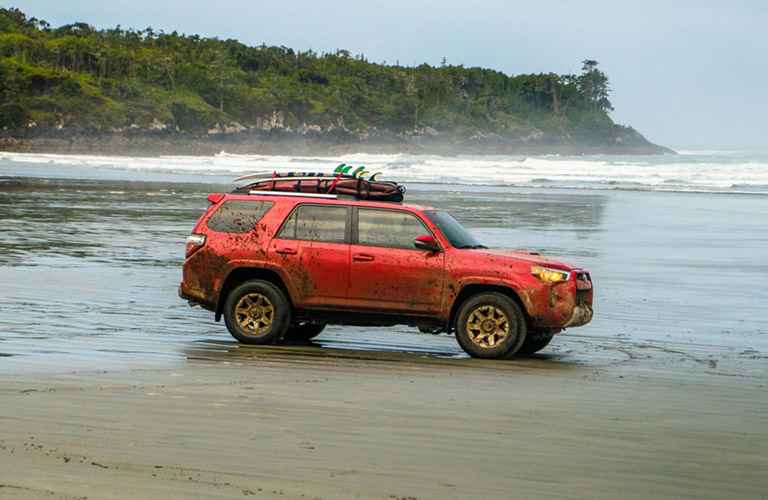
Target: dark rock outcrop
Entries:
(311, 141)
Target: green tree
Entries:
(117, 78)
(593, 85)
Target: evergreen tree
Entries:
(593, 86)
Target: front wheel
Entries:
(490, 325)
(257, 312)
(303, 332)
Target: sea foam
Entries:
(696, 171)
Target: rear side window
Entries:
(388, 228)
(316, 223)
(238, 216)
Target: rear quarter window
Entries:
(238, 216)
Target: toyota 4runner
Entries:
(282, 266)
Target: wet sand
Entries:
(321, 422)
(111, 387)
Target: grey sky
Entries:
(685, 73)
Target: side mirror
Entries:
(426, 242)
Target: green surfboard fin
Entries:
(358, 171)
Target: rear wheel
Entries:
(303, 332)
(490, 325)
(257, 312)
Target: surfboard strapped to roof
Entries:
(338, 183)
(342, 170)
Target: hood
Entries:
(530, 257)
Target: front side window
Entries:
(238, 216)
(316, 223)
(389, 228)
(456, 233)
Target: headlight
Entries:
(550, 275)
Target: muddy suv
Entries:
(277, 266)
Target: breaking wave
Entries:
(694, 171)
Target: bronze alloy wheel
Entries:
(487, 326)
(254, 313)
(257, 312)
(490, 325)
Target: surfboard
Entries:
(359, 173)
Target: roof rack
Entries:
(302, 195)
(327, 187)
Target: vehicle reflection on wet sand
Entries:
(373, 347)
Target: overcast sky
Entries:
(685, 73)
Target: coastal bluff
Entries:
(79, 89)
(310, 141)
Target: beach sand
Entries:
(319, 422)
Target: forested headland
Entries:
(77, 89)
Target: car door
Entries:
(387, 272)
(312, 249)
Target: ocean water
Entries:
(91, 248)
(744, 172)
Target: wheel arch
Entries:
(242, 274)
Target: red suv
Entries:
(283, 265)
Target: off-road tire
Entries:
(490, 325)
(303, 332)
(257, 312)
(533, 344)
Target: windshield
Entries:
(453, 230)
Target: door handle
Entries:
(362, 256)
(286, 250)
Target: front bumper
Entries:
(582, 314)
